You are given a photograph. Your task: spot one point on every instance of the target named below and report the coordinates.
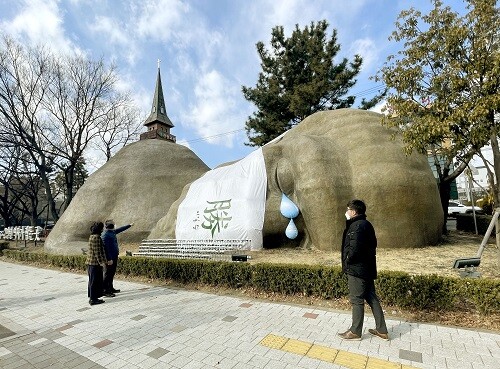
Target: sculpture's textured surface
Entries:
(330, 158)
(138, 184)
(334, 156)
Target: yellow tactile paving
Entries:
(322, 353)
(297, 347)
(273, 341)
(346, 359)
(351, 360)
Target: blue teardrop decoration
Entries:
(291, 230)
(288, 208)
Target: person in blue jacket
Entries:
(112, 251)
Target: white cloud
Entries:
(117, 36)
(207, 48)
(159, 19)
(131, 30)
(40, 22)
(141, 96)
(288, 13)
(285, 13)
(341, 16)
(111, 28)
(368, 50)
(378, 108)
(184, 142)
(159, 27)
(216, 112)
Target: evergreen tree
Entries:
(298, 78)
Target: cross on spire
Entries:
(158, 123)
(158, 110)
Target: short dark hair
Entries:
(358, 206)
(110, 224)
(96, 228)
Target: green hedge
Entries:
(417, 292)
(234, 275)
(422, 292)
(465, 222)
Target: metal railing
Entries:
(193, 249)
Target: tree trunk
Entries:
(444, 194)
(445, 180)
(69, 176)
(496, 166)
(5, 211)
(50, 198)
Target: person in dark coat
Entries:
(359, 244)
(112, 251)
(96, 260)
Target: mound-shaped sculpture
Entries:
(138, 184)
(330, 158)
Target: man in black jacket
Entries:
(359, 245)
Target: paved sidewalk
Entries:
(46, 322)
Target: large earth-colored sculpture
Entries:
(330, 158)
(138, 184)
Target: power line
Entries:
(214, 136)
(370, 90)
(206, 138)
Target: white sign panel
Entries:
(226, 203)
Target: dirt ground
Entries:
(426, 260)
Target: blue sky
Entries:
(207, 51)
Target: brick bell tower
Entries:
(158, 123)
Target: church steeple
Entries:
(158, 122)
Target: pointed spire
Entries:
(158, 110)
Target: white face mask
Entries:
(347, 215)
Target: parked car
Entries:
(454, 208)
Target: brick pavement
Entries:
(46, 322)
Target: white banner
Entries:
(226, 203)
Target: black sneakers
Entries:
(96, 302)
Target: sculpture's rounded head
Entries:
(332, 157)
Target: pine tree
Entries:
(298, 78)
